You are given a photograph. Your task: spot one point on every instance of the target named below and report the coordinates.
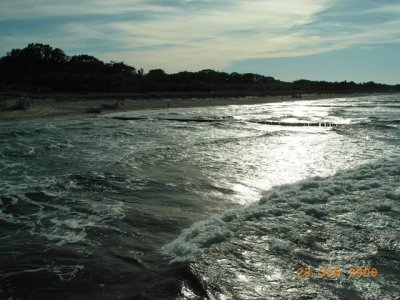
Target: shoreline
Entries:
(75, 105)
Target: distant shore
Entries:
(54, 105)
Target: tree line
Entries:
(41, 68)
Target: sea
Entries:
(285, 200)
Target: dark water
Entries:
(94, 208)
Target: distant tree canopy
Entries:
(40, 67)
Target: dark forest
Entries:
(41, 68)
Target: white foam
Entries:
(319, 222)
(361, 197)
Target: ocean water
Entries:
(291, 200)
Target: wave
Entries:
(19, 134)
(41, 209)
(296, 124)
(198, 119)
(204, 120)
(351, 219)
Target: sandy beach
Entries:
(68, 105)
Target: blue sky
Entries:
(357, 40)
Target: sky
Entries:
(334, 40)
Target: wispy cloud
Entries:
(26, 9)
(197, 34)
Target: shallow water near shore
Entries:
(222, 202)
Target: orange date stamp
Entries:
(334, 272)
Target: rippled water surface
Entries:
(219, 202)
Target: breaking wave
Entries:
(351, 219)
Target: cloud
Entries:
(196, 34)
(26, 9)
(201, 39)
